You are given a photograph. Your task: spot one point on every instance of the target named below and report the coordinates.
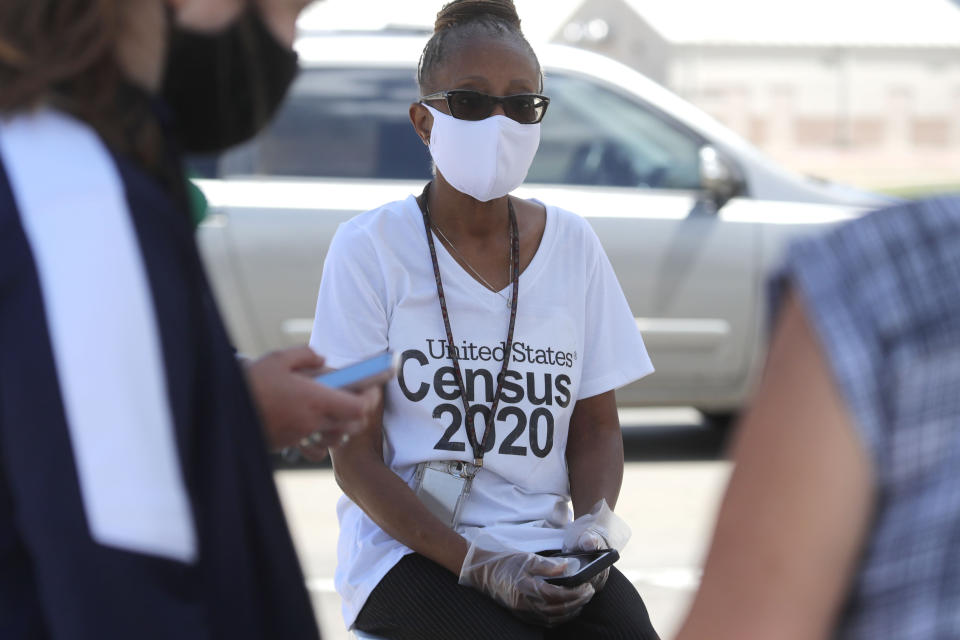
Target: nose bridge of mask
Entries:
(498, 132)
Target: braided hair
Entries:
(462, 20)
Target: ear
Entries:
(422, 121)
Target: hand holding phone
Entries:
(591, 564)
(515, 579)
(294, 407)
(357, 377)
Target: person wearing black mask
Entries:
(222, 87)
(136, 499)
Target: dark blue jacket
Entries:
(56, 581)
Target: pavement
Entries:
(673, 481)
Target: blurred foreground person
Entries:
(842, 517)
(136, 499)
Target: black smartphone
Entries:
(591, 563)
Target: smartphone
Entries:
(591, 563)
(363, 374)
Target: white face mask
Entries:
(485, 159)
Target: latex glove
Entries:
(516, 579)
(599, 529)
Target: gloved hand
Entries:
(515, 579)
(599, 529)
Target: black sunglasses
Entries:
(464, 104)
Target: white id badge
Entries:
(443, 487)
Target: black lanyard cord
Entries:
(508, 348)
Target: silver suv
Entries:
(691, 216)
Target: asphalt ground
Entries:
(673, 480)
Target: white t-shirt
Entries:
(575, 337)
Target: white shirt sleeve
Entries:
(613, 351)
(351, 319)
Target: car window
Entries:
(339, 123)
(353, 123)
(593, 135)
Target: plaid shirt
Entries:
(883, 294)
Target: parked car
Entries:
(691, 215)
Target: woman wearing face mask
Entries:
(512, 333)
(136, 500)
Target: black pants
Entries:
(420, 600)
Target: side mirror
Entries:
(719, 177)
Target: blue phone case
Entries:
(358, 372)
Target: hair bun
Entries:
(461, 12)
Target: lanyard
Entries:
(515, 274)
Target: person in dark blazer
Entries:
(136, 497)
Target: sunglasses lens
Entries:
(524, 109)
(469, 105)
(473, 105)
